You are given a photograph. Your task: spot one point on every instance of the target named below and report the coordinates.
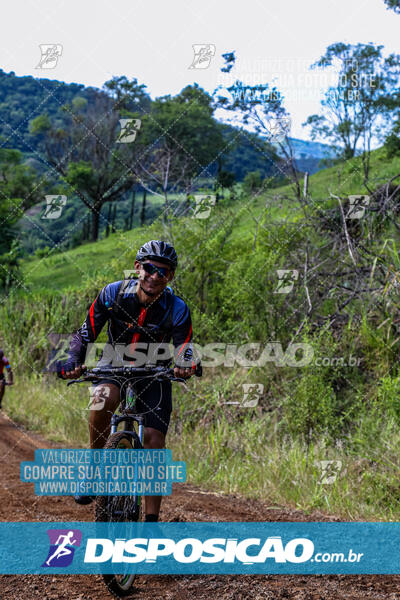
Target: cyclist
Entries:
(144, 309)
(4, 364)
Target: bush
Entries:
(42, 252)
(310, 409)
(252, 182)
(392, 145)
(388, 398)
(10, 273)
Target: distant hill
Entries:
(24, 98)
(309, 154)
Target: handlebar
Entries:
(133, 372)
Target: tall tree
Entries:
(86, 153)
(143, 209)
(355, 108)
(20, 189)
(260, 108)
(180, 141)
(393, 4)
(132, 212)
(129, 96)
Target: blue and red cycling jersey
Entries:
(4, 363)
(131, 324)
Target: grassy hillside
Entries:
(342, 405)
(69, 269)
(344, 179)
(71, 228)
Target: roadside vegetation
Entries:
(294, 279)
(342, 406)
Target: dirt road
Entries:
(18, 503)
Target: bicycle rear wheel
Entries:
(119, 509)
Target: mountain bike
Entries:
(125, 508)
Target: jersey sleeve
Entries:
(96, 317)
(182, 334)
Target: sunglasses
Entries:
(151, 269)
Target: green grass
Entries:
(234, 455)
(227, 449)
(46, 405)
(344, 179)
(68, 270)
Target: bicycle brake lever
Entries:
(77, 381)
(179, 379)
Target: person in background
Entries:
(4, 363)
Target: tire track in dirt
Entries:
(188, 503)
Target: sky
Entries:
(153, 41)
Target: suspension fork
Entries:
(141, 430)
(129, 399)
(128, 419)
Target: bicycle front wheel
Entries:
(119, 509)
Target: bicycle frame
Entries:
(128, 417)
(109, 508)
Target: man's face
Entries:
(154, 284)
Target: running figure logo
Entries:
(129, 129)
(50, 54)
(54, 206)
(63, 543)
(357, 206)
(203, 54)
(279, 128)
(204, 203)
(286, 277)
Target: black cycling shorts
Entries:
(154, 401)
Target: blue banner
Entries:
(114, 472)
(200, 548)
